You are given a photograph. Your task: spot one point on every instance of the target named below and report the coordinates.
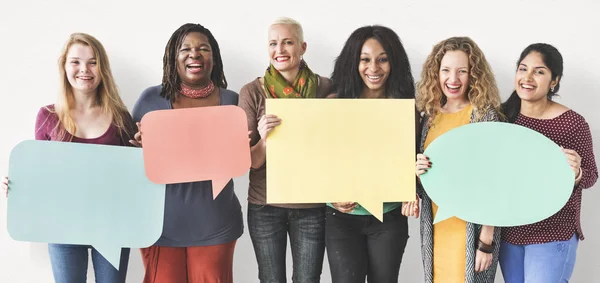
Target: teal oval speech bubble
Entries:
(497, 174)
(83, 194)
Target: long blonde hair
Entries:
(107, 94)
(482, 91)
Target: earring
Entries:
(552, 89)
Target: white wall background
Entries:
(135, 33)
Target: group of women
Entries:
(457, 87)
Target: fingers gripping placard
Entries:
(334, 150)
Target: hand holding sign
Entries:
(196, 144)
(497, 174)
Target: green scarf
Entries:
(304, 86)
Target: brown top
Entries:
(252, 100)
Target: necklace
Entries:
(197, 93)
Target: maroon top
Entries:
(46, 129)
(571, 131)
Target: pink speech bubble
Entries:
(196, 144)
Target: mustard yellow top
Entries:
(449, 236)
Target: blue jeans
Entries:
(360, 246)
(541, 263)
(70, 264)
(269, 227)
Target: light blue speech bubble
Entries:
(83, 194)
(497, 174)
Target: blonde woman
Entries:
(89, 110)
(457, 87)
(288, 76)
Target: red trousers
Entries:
(207, 264)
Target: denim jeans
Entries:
(541, 263)
(70, 264)
(269, 227)
(360, 246)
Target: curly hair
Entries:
(171, 79)
(482, 91)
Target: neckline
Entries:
(466, 108)
(548, 119)
(96, 138)
(220, 98)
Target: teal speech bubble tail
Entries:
(441, 215)
(110, 253)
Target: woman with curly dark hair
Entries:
(199, 233)
(372, 65)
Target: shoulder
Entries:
(487, 114)
(47, 113)
(151, 93)
(325, 86)
(149, 100)
(228, 97)
(573, 120)
(46, 110)
(251, 88)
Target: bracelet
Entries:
(488, 249)
(578, 176)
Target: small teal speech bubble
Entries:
(497, 174)
(83, 194)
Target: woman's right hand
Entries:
(5, 186)
(266, 124)
(345, 207)
(137, 141)
(422, 164)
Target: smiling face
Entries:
(285, 48)
(81, 69)
(454, 75)
(195, 60)
(533, 79)
(374, 67)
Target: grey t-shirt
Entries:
(192, 217)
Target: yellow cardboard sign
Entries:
(334, 150)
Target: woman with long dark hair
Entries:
(372, 65)
(545, 251)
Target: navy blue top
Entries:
(192, 217)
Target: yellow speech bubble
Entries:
(334, 150)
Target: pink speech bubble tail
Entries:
(218, 185)
(374, 207)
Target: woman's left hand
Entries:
(411, 208)
(574, 160)
(483, 261)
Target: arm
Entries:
(258, 154)
(583, 146)
(247, 101)
(487, 235)
(142, 106)
(44, 124)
